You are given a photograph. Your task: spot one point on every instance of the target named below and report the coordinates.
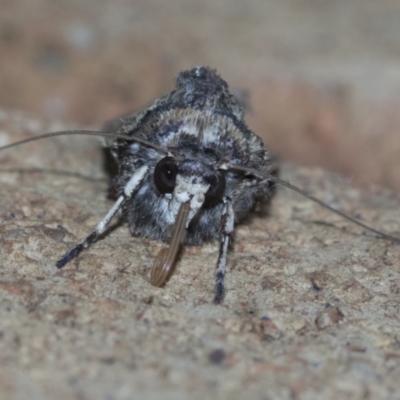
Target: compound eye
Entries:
(216, 190)
(165, 175)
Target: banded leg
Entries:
(227, 222)
(130, 187)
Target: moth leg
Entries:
(129, 189)
(227, 222)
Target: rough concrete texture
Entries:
(312, 307)
(311, 311)
(323, 76)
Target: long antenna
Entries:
(85, 133)
(309, 196)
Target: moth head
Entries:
(189, 185)
(190, 179)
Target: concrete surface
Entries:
(312, 305)
(311, 312)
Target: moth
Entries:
(189, 170)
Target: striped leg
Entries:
(130, 187)
(227, 222)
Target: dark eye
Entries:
(216, 190)
(165, 175)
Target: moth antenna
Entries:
(52, 172)
(86, 133)
(315, 200)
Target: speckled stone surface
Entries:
(311, 311)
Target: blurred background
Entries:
(322, 76)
